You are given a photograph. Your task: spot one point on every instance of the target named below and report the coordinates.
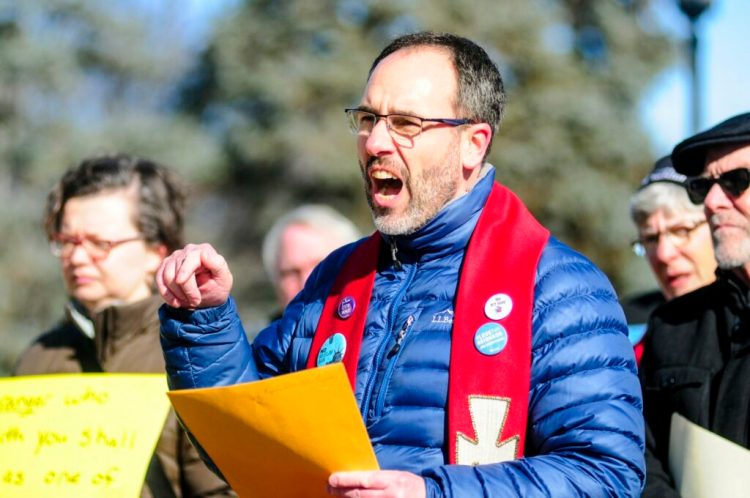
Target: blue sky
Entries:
(724, 65)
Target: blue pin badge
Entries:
(332, 351)
(346, 307)
(490, 339)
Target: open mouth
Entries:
(385, 184)
(677, 280)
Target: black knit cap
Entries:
(663, 172)
(689, 156)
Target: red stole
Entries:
(490, 359)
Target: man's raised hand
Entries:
(194, 277)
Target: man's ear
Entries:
(476, 140)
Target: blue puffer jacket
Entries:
(585, 428)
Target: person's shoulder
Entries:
(572, 297)
(683, 325)
(318, 285)
(341, 254)
(691, 306)
(62, 334)
(638, 307)
(577, 322)
(557, 253)
(563, 270)
(53, 346)
(325, 272)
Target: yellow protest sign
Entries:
(79, 435)
(280, 437)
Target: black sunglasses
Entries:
(734, 182)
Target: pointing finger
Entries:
(173, 288)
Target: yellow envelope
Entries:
(280, 437)
(79, 435)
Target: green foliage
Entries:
(259, 126)
(279, 73)
(76, 79)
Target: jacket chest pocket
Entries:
(680, 389)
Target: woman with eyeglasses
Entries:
(111, 221)
(675, 239)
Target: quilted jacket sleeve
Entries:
(585, 435)
(208, 347)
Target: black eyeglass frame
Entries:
(734, 181)
(351, 112)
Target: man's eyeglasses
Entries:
(678, 235)
(62, 246)
(401, 127)
(733, 182)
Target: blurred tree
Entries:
(258, 123)
(78, 78)
(277, 75)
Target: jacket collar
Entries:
(737, 290)
(77, 314)
(118, 325)
(450, 229)
(114, 327)
(737, 310)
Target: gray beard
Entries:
(415, 217)
(730, 251)
(731, 254)
(432, 190)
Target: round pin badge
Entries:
(346, 307)
(332, 351)
(498, 306)
(490, 338)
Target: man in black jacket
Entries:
(697, 354)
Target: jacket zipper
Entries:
(392, 357)
(400, 338)
(367, 396)
(394, 254)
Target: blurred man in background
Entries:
(110, 221)
(297, 242)
(674, 237)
